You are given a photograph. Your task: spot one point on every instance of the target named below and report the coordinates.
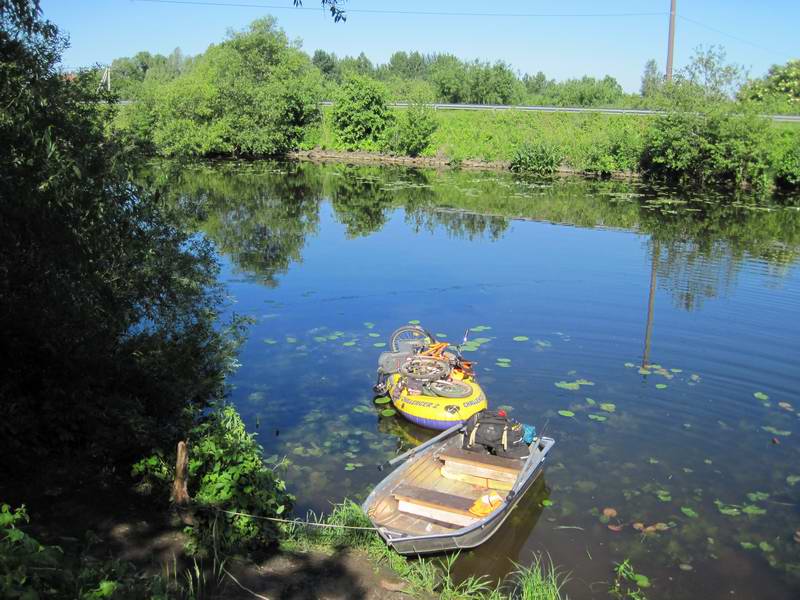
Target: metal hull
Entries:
(458, 538)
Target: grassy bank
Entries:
(494, 136)
(422, 576)
(741, 150)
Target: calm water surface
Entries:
(600, 278)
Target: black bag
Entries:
(493, 431)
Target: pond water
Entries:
(678, 317)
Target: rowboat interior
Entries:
(435, 493)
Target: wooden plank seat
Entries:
(438, 506)
(485, 470)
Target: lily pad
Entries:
(757, 496)
(369, 325)
(270, 341)
(793, 479)
(747, 545)
(521, 338)
(727, 509)
(547, 502)
(440, 335)
(642, 580)
(504, 365)
(350, 343)
(568, 385)
(599, 418)
(379, 344)
(505, 360)
(382, 400)
(773, 431)
(608, 406)
(766, 547)
(661, 386)
(543, 344)
(414, 322)
(689, 512)
(566, 413)
(373, 334)
(479, 328)
(388, 412)
(590, 402)
(629, 365)
(753, 510)
(664, 495)
(349, 467)
(643, 371)
(760, 396)
(291, 340)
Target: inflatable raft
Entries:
(434, 412)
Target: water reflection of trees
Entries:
(260, 214)
(260, 217)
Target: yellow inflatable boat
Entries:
(435, 411)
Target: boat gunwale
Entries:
(527, 475)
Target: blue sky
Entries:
(755, 35)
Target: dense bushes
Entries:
(108, 308)
(361, 113)
(717, 146)
(226, 473)
(254, 94)
(412, 132)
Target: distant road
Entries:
(562, 109)
(551, 109)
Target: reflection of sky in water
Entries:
(688, 435)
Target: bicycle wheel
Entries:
(410, 336)
(425, 369)
(450, 389)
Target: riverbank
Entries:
(360, 157)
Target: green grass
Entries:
(423, 576)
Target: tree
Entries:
(360, 113)
(652, 79)
(493, 84)
(782, 83)
(108, 307)
(328, 64)
(449, 77)
(709, 72)
(254, 94)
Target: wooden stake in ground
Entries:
(180, 492)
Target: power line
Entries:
(428, 13)
(735, 37)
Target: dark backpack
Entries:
(493, 431)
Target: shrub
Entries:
(226, 473)
(360, 113)
(253, 94)
(539, 157)
(717, 146)
(412, 132)
(787, 162)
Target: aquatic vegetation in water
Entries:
(350, 343)
(388, 412)
(414, 322)
(373, 334)
(608, 406)
(520, 338)
(369, 325)
(479, 328)
(566, 413)
(761, 396)
(689, 512)
(573, 385)
(382, 400)
(547, 502)
(793, 479)
(661, 386)
(379, 344)
(773, 431)
(598, 418)
(730, 510)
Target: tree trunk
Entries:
(180, 492)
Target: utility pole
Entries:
(105, 80)
(671, 43)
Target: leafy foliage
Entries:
(30, 569)
(716, 146)
(361, 114)
(413, 130)
(226, 473)
(539, 157)
(108, 306)
(253, 94)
